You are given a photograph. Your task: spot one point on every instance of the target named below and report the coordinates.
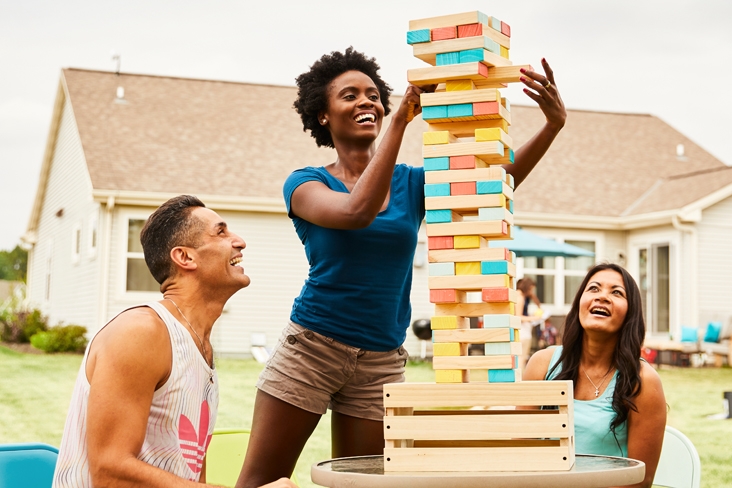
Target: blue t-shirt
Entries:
(357, 290)
(592, 419)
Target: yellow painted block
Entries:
(449, 322)
(491, 134)
(504, 52)
(516, 335)
(449, 376)
(446, 349)
(459, 85)
(437, 137)
(466, 242)
(470, 268)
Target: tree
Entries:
(14, 264)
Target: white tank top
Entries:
(181, 421)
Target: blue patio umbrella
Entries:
(525, 244)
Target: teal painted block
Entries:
(496, 321)
(437, 190)
(501, 376)
(444, 59)
(460, 110)
(438, 216)
(510, 206)
(493, 267)
(491, 213)
(489, 187)
(515, 362)
(497, 348)
(492, 46)
(471, 55)
(434, 112)
(442, 269)
(418, 36)
(496, 24)
(436, 164)
(482, 18)
(512, 334)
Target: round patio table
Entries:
(587, 472)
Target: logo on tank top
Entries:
(193, 444)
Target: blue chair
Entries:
(27, 465)
(679, 466)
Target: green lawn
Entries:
(36, 389)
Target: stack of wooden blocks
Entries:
(469, 202)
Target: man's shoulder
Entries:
(140, 324)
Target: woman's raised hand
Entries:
(543, 90)
(411, 106)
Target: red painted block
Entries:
(462, 162)
(482, 70)
(444, 296)
(504, 230)
(491, 295)
(440, 242)
(470, 30)
(462, 188)
(485, 108)
(443, 33)
(505, 29)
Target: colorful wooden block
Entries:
(469, 268)
(418, 36)
(438, 137)
(460, 110)
(474, 336)
(504, 375)
(502, 362)
(470, 55)
(473, 17)
(463, 188)
(440, 242)
(500, 348)
(500, 75)
(436, 164)
(449, 349)
(465, 255)
(488, 134)
(509, 205)
(511, 157)
(466, 128)
(440, 74)
(459, 85)
(470, 282)
(498, 294)
(495, 24)
(437, 189)
(489, 187)
(441, 269)
(485, 108)
(496, 229)
(470, 30)
(447, 296)
(504, 52)
(449, 322)
(459, 97)
(442, 216)
(435, 112)
(465, 162)
(442, 33)
(501, 321)
(445, 59)
(509, 179)
(505, 29)
(494, 267)
(474, 309)
(494, 213)
(451, 376)
(489, 152)
(478, 174)
(467, 242)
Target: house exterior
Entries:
(120, 145)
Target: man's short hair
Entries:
(171, 225)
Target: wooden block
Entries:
(493, 134)
(466, 128)
(440, 74)
(447, 296)
(450, 349)
(468, 242)
(505, 29)
(495, 229)
(499, 295)
(429, 52)
(459, 85)
(504, 52)
(436, 164)
(435, 112)
(486, 108)
(445, 59)
(506, 103)
(498, 267)
(447, 322)
(494, 363)
(432, 459)
(509, 205)
(469, 282)
(441, 269)
(504, 375)
(502, 348)
(442, 137)
(421, 35)
(474, 17)
(490, 152)
(440, 242)
(501, 321)
(474, 336)
(510, 180)
(469, 268)
(442, 33)
(437, 190)
(484, 56)
(494, 23)
(493, 173)
(458, 97)
(440, 216)
(494, 213)
(470, 30)
(499, 75)
(463, 188)
(465, 204)
(474, 309)
(451, 376)
(509, 154)
(466, 255)
(459, 110)
(466, 162)
(490, 187)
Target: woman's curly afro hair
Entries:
(312, 93)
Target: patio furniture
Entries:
(28, 465)
(679, 466)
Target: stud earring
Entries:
(325, 121)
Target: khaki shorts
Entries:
(315, 372)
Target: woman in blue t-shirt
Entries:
(358, 220)
(619, 405)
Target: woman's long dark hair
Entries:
(627, 351)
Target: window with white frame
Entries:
(543, 271)
(575, 269)
(138, 276)
(75, 243)
(93, 235)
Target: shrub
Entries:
(20, 325)
(64, 338)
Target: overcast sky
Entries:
(670, 58)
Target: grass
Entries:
(36, 390)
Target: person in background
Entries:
(527, 294)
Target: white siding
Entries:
(715, 262)
(73, 285)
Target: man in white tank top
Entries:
(145, 401)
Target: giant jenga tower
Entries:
(465, 422)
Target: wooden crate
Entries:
(475, 427)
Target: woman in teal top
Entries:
(619, 405)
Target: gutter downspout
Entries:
(693, 272)
(106, 250)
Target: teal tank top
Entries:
(592, 418)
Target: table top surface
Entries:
(587, 472)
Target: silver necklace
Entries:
(203, 347)
(597, 388)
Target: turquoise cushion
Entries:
(689, 334)
(713, 331)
